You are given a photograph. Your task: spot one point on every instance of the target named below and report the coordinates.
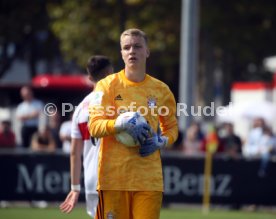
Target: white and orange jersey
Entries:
(91, 145)
(121, 167)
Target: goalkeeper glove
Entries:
(139, 132)
(156, 142)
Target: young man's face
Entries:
(134, 51)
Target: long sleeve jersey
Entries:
(121, 167)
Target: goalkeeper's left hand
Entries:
(150, 145)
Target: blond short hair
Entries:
(134, 32)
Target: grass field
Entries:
(79, 213)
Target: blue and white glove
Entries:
(139, 132)
(156, 142)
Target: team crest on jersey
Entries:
(110, 215)
(152, 100)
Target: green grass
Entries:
(217, 214)
(53, 213)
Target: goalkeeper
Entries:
(130, 180)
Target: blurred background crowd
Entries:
(44, 46)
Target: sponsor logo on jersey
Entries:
(118, 97)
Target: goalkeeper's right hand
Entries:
(139, 132)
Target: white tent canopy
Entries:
(249, 110)
(270, 64)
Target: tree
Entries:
(86, 28)
(236, 36)
(24, 33)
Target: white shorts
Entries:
(91, 204)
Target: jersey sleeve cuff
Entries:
(111, 126)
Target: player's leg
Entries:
(113, 205)
(146, 205)
(91, 204)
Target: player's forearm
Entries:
(75, 170)
(75, 160)
(99, 127)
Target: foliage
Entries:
(94, 27)
(85, 28)
(24, 33)
(244, 31)
(234, 35)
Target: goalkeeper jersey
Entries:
(121, 167)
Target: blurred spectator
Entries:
(7, 137)
(266, 147)
(212, 141)
(260, 144)
(193, 140)
(231, 143)
(54, 125)
(266, 142)
(28, 113)
(253, 142)
(43, 141)
(65, 135)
